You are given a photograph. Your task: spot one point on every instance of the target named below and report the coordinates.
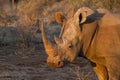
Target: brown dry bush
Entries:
(34, 9)
(29, 11)
(112, 5)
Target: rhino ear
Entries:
(60, 18)
(82, 17)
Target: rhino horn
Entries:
(57, 40)
(49, 47)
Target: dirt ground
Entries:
(30, 64)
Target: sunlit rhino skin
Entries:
(95, 33)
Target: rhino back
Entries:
(105, 47)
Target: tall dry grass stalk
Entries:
(81, 74)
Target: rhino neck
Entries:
(89, 31)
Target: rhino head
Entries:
(69, 42)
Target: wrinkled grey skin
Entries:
(95, 33)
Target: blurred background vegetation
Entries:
(29, 10)
(25, 14)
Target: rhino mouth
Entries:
(60, 64)
(55, 61)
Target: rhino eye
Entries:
(70, 46)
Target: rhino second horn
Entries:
(57, 40)
(49, 47)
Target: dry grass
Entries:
(30, 10)
(81, 74)
(27, 12)
(24, 17)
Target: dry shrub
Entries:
(28, 11)
(112, 5)
(82, 74)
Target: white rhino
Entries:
(95, 33)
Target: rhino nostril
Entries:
(60, 63)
